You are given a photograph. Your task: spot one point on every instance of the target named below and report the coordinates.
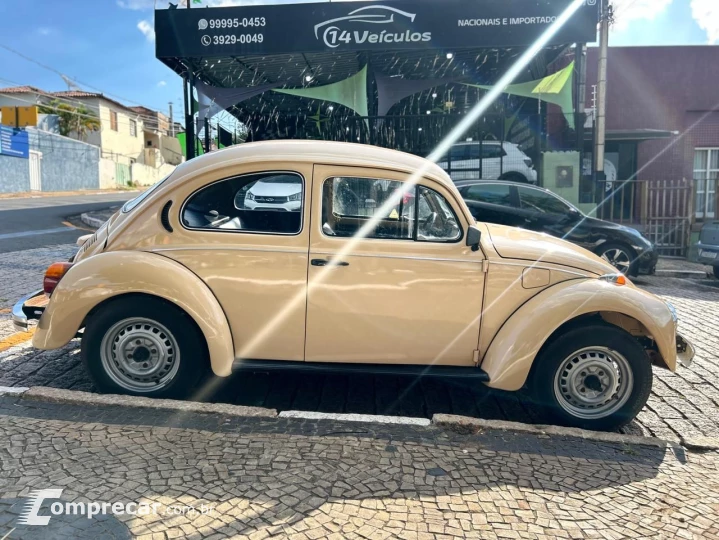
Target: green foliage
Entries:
(77, 120)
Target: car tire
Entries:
(612, 387)
(715, 268)
(515, 177)
(144, 347)
(617, 255)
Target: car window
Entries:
(437, 221)
(489, 193)
(130, 205)
(349, 203)
(492, 151)
(459, 153)
(256, 203)
(541, 201)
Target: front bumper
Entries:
(707, 254)
(685, 352)
(28, 308)
(647, 262)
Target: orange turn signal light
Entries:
(621, 280)
(54, 274)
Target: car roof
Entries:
(325, 152)
(467, 183)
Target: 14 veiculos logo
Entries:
(335, 32)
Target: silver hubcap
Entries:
(140, 355)
(593, 383)
(618, 258)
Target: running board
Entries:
(373, 369)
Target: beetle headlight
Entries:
(616, 279)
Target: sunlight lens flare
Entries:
(467, 122)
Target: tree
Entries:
(77, 120)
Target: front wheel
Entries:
(143, 347)
(620, 257)
(594, 377)
(716, 270)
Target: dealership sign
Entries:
(14, 142)
(367, 26)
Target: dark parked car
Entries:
(538, 209)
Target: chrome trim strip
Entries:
(19, 318)
(414, 258)
(230, 248)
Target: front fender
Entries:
(509, 357)
(104, 276)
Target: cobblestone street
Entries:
(682, 405)
(306, 480)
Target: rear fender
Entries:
(108, 275)
(511, 354)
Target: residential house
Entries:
(161, 146)
(123, 139)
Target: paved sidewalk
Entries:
(264, 477)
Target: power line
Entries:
(50, 68)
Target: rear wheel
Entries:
(592, 377)
(143, 347)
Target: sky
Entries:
(108, 45)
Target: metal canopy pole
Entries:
(190, 116)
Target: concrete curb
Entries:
(464, 423)
(91, 221)
(57, 395)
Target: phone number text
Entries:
(232, 39)
(236, 23)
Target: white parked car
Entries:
(499, 161)
(281, 192)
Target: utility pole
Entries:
(172, 122)
(601, 114)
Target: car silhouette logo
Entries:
(269, 199)
(376, 15)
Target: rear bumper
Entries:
(29, 307)
(685, 352)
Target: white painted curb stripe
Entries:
(13, 389)
(370, 418)
(34, 233)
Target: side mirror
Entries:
(474, 235)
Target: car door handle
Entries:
(325, 262)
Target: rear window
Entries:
(133, 203)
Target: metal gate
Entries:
(35, 171)
(668, 211)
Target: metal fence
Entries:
(662, 209)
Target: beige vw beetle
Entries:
(307, 255)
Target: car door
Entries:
(492, 154)
(252, 257)
(410, 291)
(493, 203)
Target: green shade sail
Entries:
(555, 88)
(351, 92)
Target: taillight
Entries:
(54, 274)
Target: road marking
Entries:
(371, 418)
(34, 233)
(16, 339)
(67, 223)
